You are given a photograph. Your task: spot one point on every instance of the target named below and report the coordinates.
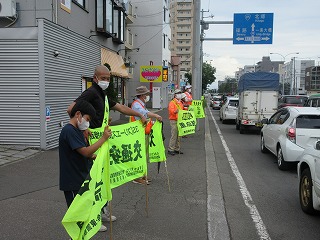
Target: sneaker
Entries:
(103, 228)
(171, 153)
(106, 217)
(140, 181)
(178, 152)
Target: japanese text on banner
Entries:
(186, 122)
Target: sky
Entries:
(296, 28)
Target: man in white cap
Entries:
(188, 94)
(139, 105)
(174, 106)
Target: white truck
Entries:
(258, 99)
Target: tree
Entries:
(229, 86)
(207, 76)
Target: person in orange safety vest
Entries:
(174, 106)
(188, 94)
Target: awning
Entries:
(116, 63)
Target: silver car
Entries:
(216, 101)
(289, 131)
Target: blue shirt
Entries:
(140, 107)
(74, 167)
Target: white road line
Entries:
(261, 228)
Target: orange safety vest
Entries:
(173, 106)
(188, 98)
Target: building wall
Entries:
(152, 31)
(19, 87)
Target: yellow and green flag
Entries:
(198, 108)
(83, 218)
(186, 122)
(127, 153)
(156, 146)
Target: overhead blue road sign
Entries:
(252, 28)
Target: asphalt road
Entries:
(267, 206)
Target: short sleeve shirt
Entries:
(96, 97)
(139, 107)
(74, 167)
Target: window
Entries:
(110, 19)
(164, 41)
(80, 3)
(105, 16)
(164, 14)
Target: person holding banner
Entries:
(96, 96)
(174, 106)
(188, 95)
(74, 154)
(139, 105)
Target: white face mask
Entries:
(83, 125)
(147, 98)
(103, 84)
(178, 96)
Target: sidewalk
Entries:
(32, 205)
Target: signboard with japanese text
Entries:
(156, 146)
(197, 106)
(252, 28)
(127, 149)
(186, 122)
(165, 74)
(150, 73)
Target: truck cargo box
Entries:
(259, 81)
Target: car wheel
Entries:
(242, 131)
(237, 125)
(263, 147)
(223, 121)
(282, 165)
(305, 192)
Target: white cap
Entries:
(188, 86)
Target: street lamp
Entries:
(284, 60)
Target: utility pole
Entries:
(196, 57)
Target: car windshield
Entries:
(308, 121)
(296, 100)
(217, 98)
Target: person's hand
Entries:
(144, 120)
(87, 133)
(93, 157)
(176, 111)
(106, 133)
(158, 117)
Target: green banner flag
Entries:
(186, 122)
(127, 153)
(198, 108)
(156, 146)
(83, 218)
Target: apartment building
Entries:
(181, 33)
(48, 52)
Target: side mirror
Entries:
(265, 121)
(317, 145)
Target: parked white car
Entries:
(309, 179)
(228, 110)
(289, 131)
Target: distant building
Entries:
(312, 80)
(181, 12)
(266, 65)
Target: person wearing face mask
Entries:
(188, 98)
(174, 106)
(139, 105)
(96, 95)
(74, 154)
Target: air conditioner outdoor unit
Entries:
(7, 8)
